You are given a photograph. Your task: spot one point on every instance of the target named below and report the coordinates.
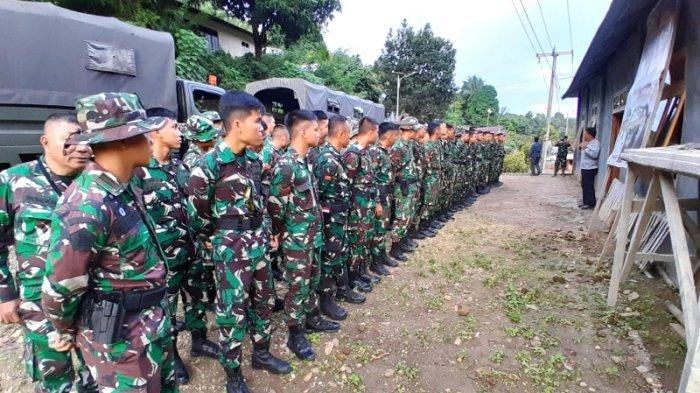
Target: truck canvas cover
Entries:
(316, 97)
(44, 63)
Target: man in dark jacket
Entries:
(535, 153)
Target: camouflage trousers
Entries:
(334, 256)
(244, 302)
(302, 275)
(50, 370)
(361, 224)
(405, 202)
(149, 369)
(198, 291)
(381, 228)
(448, 187)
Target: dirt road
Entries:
(504, 299)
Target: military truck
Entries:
(53, 56)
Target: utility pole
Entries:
(398, 88)
(552, 80)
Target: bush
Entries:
(515, 162)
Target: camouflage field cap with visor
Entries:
(354, 127)
(409, 123)
(200, 129)
(212, 116)
(108, 117)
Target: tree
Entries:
(429, 93)
(295, 19)
(480, 103)
(471, 86)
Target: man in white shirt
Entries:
(590, 150)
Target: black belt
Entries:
(133, 300)
(336, 207)
(241, 224)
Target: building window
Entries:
(212, 38)
(245, 44)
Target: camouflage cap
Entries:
(108, 117)
(409, 123)
(200, 129)
(212, 116)
(354, 127)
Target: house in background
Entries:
(608, 70)
(224, 33)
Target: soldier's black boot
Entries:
(377, 267)
(181, 374)
(367, 277)
(415, 235)
(316, 323)
(410, 242)
(406, 245)
(357, 283)
(426, 231)
(298, 345)
(384, 259)
(397, 253)
(330, 309)
(235, 382)
(264, 360)
(346, 293)
(203, 347)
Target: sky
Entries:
(489, 39)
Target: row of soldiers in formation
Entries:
(110, 231)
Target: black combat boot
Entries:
(357, 283)
(235, 382)
(203, 347)
(181, 374)
(426, 231)
(406, 247)
(410, 242)
(316, 323)
(298, 345)
(385, 260)
(264, 360)
(397, 253)
(367, 277)
(377, 267)
(330, 309)
(345, 292)
(415, 235)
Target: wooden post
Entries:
(621, 241)
(640, 226)
(684, 269)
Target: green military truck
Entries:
(53, 56)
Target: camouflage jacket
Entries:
(101, 239)
(358, 164)
(333, 182)
(163, 188)
(405, 165)
(433, 158)
(27, 200)
(192, 155)
(269, 156)
(419, 155)
(224, 190)
(293, 204)
(383, 172)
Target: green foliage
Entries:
(190, 51)
(429, 93)
(477, 108)
(514, 162)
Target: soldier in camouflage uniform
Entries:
(334, 197)
(323, 120)
(431, 180)
(364, 206)
(106, 274)
(296, 224)
(228, 207)
(214, 118)
(384, 181)
(418, 145)
(273, 148)
(202, 135)
(28, 195)
(406, 187)
(163, 182)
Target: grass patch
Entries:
(497, 356)
(406, 371)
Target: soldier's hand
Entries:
(379, 210)
(61, 345)
(8, 312)
(274, 243)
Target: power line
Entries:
(571, 36)
(530, 41)
(534, 33)
(546, 30)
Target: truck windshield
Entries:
(205, 100)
